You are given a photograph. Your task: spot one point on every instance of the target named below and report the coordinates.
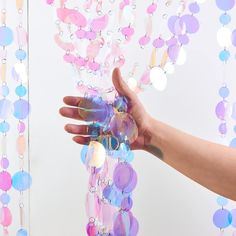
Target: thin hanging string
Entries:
(28, 97)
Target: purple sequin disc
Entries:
(222, 218)
(124, 177)
(225, 5)
(221, 110)
(191, 23)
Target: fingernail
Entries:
(66, 127)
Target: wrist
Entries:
(152, 137)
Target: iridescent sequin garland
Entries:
(21, 180)
(5, 108)
(95, 44)
(107, 158)
(223, 218)
(93, 36)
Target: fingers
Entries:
(120, 85)
(70, 112)
(81, 131)
(72, 101)
(77, 129)
(81, 140)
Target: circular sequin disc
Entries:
(176, 25)
(134, 227)
(83, 153)
(224, 92)
(21, 91)
(91, 229)
(120, 104)
(221, 110)
(183, 39)
(225, 5)
(5, 198)
(21, 54)
(21, 181)
(22, 232)
(222, 218)
(126, 204)
(224, 55)
(223, 128)
(6, 109)
(125, 224)
(222, 201)
(173, 52)
(191, 23)
(94, 109)
(110, 142)
(4, 127)
(21, 109)
(96, 154)
(225, 19)
(122, 125)
(194, 8)
(4, 90)
(21, 127)
(122, 224)
(124, 177)
(5, 181)
(233, 143)
(4, 163)
(6, 36)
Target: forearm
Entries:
(211, 165)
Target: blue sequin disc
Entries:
(224, 92)
(225, 19)
(6, 36)
(4, 127)
(4, 90)
(21, 181)
(110, 143)
(130, 157)
(222, 201)
(224, 55)
(21, 54)
(233, 143)
(194, 8)
(21, 109)
(21, 91)
(83, 153)
(5, 199)
(21, 232)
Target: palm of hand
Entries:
(135, 109)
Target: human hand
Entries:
(135, 109)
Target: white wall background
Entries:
(166, 202)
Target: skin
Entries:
(209, 164)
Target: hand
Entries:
(135, 109)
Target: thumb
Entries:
(120, 85)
